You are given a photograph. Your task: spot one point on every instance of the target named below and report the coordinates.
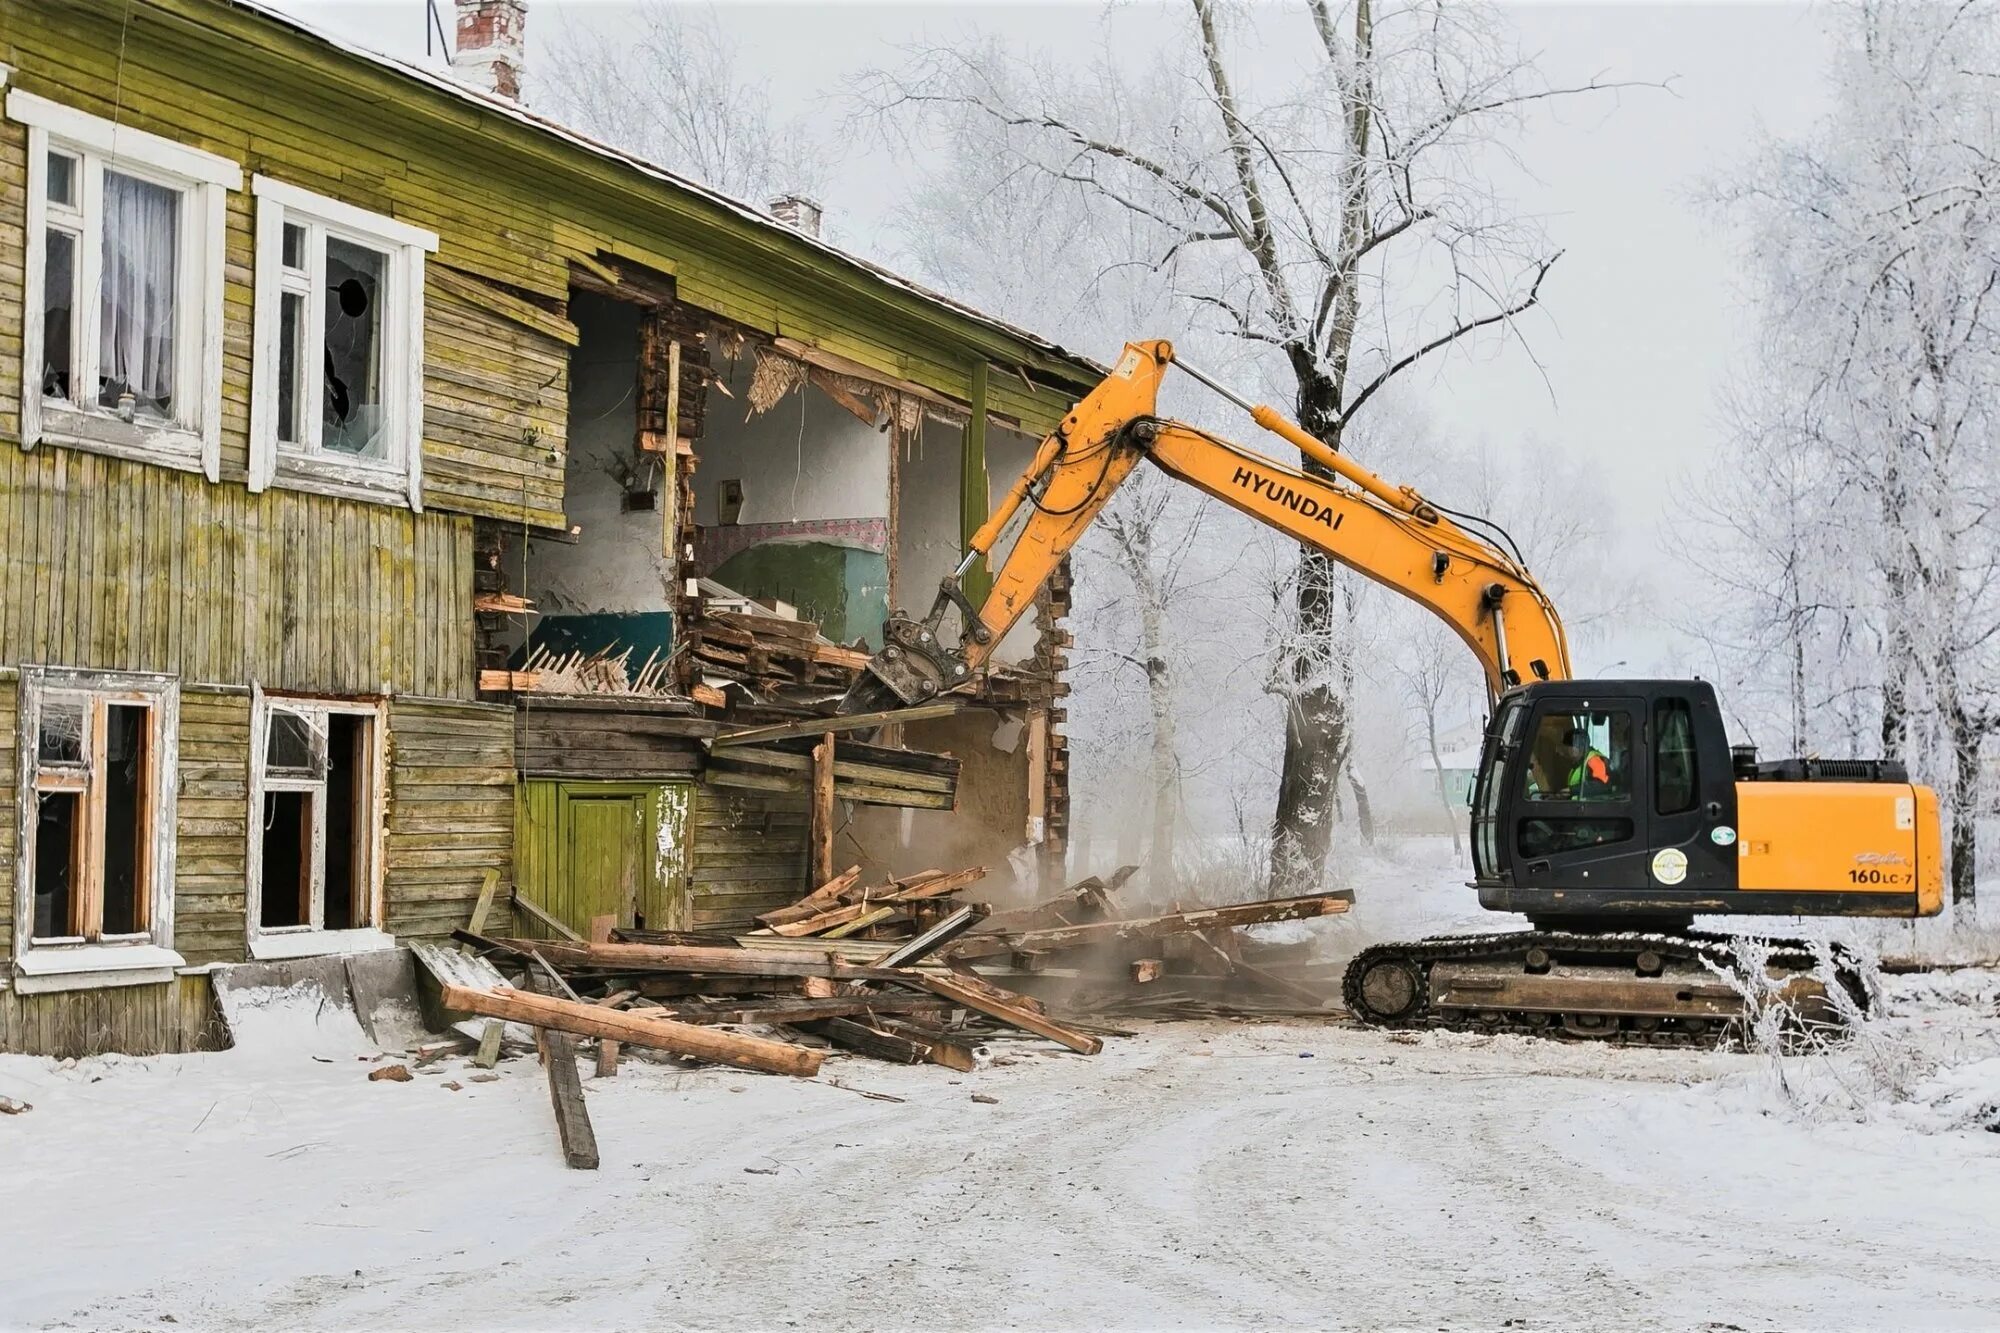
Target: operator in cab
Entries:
(1565, 765)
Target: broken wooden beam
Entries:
(695, 958)
(928, 943)
(827, 895)
(851, 722)
(899, 1047)
(822, 810)
(807, 1009)
(542, 918)
(585, 1020)
(986, 999)
(986, 945)
(579, 1140)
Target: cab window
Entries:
(1582, 756)
(1674, 785)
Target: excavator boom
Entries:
(1390, 534)
(1609, 812)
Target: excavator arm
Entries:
(1389, 533)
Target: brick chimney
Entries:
(491, 38)
(797, 212)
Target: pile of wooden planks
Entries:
(770, 1002)
(773, 655)
(1099, 957)
(883, 971)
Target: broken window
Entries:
(96, 765)
(314, 847)
(339, 313)
(122, 321)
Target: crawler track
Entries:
(1388, 985)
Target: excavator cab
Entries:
(1620, 804)
(1604, 798)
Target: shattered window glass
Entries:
(297, 744)
(61, 738)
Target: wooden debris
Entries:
(489, 1044)
(579, 1140)
(390, 1074)
(1147, 969)
(544, 1011)
(1008, 1010)
(984, 944)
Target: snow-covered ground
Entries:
(1196, 1175)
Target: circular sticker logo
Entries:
(1670, 865)
(1722, 835)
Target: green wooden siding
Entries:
(213, 840)
(125, 567)
(586, 849)
(749, 855)
(512, 206)
(134, 1020)
(451, 814)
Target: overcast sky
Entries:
(1639, 321)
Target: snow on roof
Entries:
(514, 111)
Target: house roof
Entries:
(493, 103)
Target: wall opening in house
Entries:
(287, 860)
(126, 825)
(58, 859)
(316, 859)
(346, 807)
(792, 501)
(610, 587)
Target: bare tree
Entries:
(1875, 242)
(664, 81)
(1337, 225)
(1434, 671)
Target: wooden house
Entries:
(332, 388)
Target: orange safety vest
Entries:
(1594, 767)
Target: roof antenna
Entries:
(432, 21)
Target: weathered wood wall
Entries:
(612, 737)
(133, 1020)
(495, 368)
(749, 855)
(512, 206)
(213, 840)
(122, 566)
(451, 814)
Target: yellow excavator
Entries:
(1610, 813)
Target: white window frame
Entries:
(398, 475)
(193, 440)
(72, 963)
(313, 938)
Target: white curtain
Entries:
(141, 236)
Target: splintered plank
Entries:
(985, 999)
(579, 1140)
(898, 1046)
(1151, 927)
(588, 1020)
(819, 725)
(943, 933)
(819, 900)
(793, 962)
(807, 1008)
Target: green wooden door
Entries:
(602, 834)
(587, 849)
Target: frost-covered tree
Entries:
(666, 82)
(1332, 218)
(1867, 550)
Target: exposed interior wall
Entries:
(989, 823)
(612, 586)
(928, 538)
(793, 503)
